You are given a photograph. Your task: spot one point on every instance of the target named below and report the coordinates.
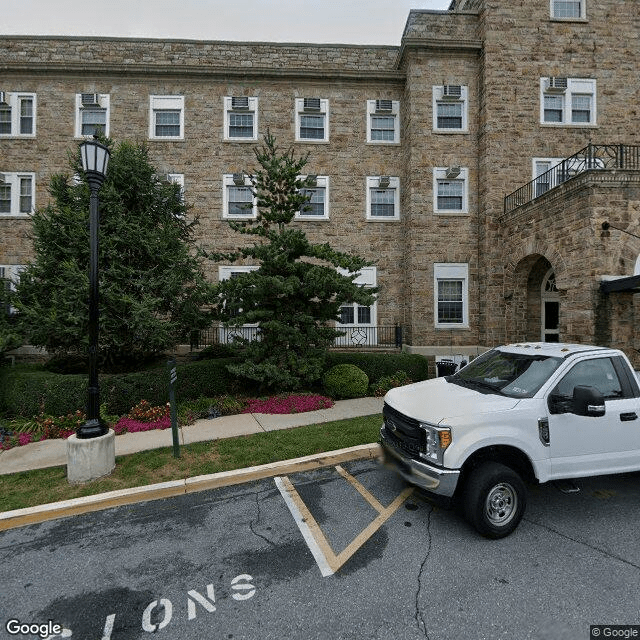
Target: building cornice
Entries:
(202, 71)
(439, 46)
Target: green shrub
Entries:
(346, 381)
(378, 365)
(28, 392)
(398, 379)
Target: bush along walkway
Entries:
(145, 417)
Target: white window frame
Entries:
(228, 110)
(299, 112)
(322, 182)
(457, 271)
(227, 181)
(463, 100)
(226, 334)
(367, 277)
(104, 101)
(13, 180)
(582, 16)
(13, 99)
(11, 274)
(161, 103)
(538, 168)
(394, 113)
(373, 182)
(575, 87)
(440, 175)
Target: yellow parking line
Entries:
(327, 560)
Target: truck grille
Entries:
(402, 431)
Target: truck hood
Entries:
(437, 400)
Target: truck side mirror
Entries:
(588, 401)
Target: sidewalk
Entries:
(53, 453)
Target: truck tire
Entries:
(494, 499)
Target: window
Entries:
(383, 121)
(240, 118)
(238, 200)
(92, 114)
(318, 207)
(599, 373)
(450, 188)
(451, 293)
(17, 194)
(312, 120)
(359, 322)
(9, 277)
(568, 9)
(175, 178)
(167, 118)
(543, 180)
(247, 331)
(450, 108)
(383, 198)
(17, 114)
(567, 101)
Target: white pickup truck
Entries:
(518, 413)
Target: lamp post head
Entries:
(95, 159)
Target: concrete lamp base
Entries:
(88, 459)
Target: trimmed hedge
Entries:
(380, 365)
(346, 381)
(27, 393)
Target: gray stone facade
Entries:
(498, 51)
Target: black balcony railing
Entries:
(593, 156)
(367, 337)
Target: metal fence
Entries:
(593, 156)
(364, 337)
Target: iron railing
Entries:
(593, 156)
(368, 337)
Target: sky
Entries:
(317, 21)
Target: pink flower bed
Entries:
(288, 404)
(129, 425)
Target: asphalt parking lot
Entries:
(341, 552)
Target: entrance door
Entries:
(550, 308)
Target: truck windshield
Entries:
(510, 374)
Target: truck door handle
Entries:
(628, 417)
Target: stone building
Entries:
(475, 163)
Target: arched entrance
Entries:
(533, 312)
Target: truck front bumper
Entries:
(441, 482)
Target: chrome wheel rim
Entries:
(501, 504)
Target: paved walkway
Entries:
(53, 453)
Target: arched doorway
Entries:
(550, 308)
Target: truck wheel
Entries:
(494, 499)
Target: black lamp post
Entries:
(95, 158)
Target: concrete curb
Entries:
(76, 506)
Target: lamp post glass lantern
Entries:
(95, 159)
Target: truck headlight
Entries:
(437, 441)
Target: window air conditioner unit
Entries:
(312, 179)
(384, 182)
(3, 178)
(311, 104)
(384, 106)
(90, 99)
(452, 172)
(238, 179)
(452, 91)
(3, 97)
(239, 103)
(557, 84)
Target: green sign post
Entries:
(173, 377)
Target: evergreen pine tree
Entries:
(296, 293)
(151, 284)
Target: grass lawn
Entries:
(31, 488)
